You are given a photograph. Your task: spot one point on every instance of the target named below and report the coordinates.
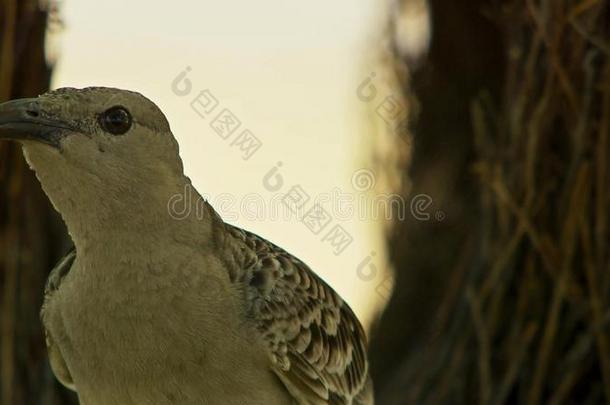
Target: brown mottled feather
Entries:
(317, 346)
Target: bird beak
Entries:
(23, 120)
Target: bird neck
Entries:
(126, 217)
(136, 205)
(99, 213)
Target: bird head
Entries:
(102, 148)
(97, 129)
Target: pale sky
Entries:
(288, 70)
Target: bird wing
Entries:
(58, 365)
(316, 345)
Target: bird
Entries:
(149, 309)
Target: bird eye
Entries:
(116, 120)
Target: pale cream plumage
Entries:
(281, 318)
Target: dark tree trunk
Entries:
(507, 300)
(466, 57)
(32, 235)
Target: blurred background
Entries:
(457, 155)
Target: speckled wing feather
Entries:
(56, 276)
(316, 345)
